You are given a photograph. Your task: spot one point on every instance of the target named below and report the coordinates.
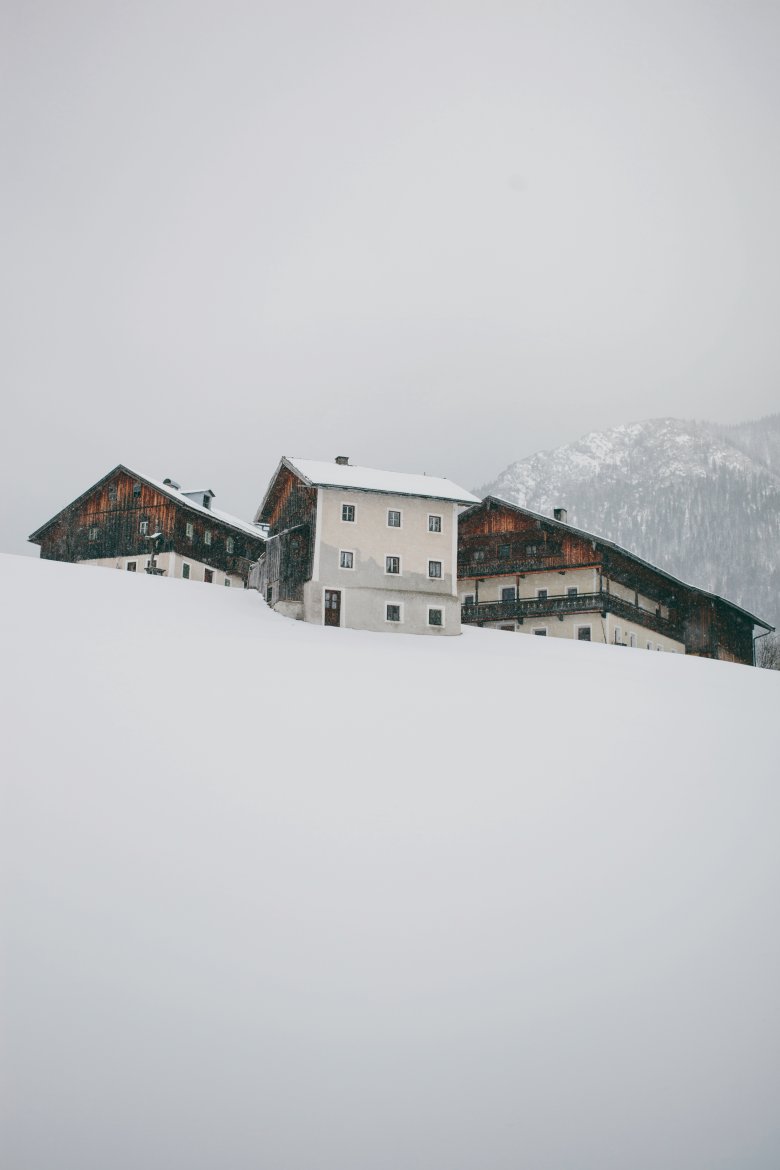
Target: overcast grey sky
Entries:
(431, 236)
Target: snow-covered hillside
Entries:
(700, 500)
(293, 898)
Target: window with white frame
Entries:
(434, 523)
(583, 633)
(632, 639)
(393, 565)
(207, 536)
(94, 533)
(348, 513)
(434, 568)
(143, 527)
(230, 544)
(618, 636)
(435, 617)
(189, 530)
(346, 559)
(393, 518)
(392, 612)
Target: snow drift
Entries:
(295, 898)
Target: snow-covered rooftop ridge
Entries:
(321, 473)
(225, 517)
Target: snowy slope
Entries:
(700, 500)
(293, 898)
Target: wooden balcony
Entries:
(544, 607)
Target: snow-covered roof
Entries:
(184, 497)
(321, 473)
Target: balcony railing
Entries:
(536, 607)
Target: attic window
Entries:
(136, 490)
(112, 493)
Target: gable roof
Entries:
(243, 526)
(601, 540)
(320, 473)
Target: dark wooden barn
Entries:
(132, 522)
(518, 570)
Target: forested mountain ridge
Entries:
(698, 499)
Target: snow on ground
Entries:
(285, 897)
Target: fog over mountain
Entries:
(698, 499)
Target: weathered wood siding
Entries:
(291, 517)
(106, 522)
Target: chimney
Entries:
(172, 483)
(560, 514)
(342, 460)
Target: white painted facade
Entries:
(357, 556)
(612, 629)
(172, 565)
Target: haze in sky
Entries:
(430, 236)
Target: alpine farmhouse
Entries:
(363, 548)
(129, 521)
(518, 570)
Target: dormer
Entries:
(202, 497)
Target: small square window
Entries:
(230, 544)
(393, 613)
(541, 594)
(346, 560)
(348, 513)
(393, 518)
(190, 530)
(571, 591)
(508, 594)
(583, 633)
(434, 568)
(207, 536)
(143, 527)
(131, 566)
(478, 555)
(185, 572)
(468, 599)
(392, 564)
(434, 523)
(435, 617)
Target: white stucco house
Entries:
(358, 547)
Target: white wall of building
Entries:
(172, 565)
(610, 629)
(367, 588)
